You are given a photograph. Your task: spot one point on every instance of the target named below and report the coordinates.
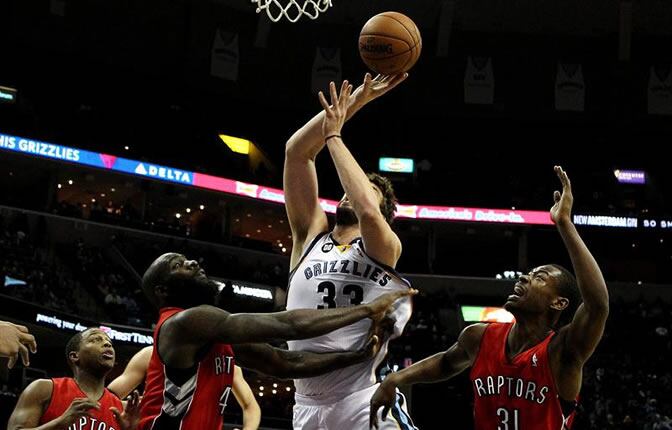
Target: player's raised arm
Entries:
(586, 329)
(380, 241)
(306, 217)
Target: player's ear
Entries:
(73, 356)
(560, 304)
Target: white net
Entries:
(292, 10)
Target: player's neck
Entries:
(92, 385)
(526, 333)
(344, 234)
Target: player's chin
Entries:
(106, 363)
(511, 305)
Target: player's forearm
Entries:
(301, 364)
(55, 424)
(353, 179)
(588, 274)
(431, 369)
(307, 141)
(251, 416)
(307, 323)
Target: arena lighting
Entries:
(236, 144)
(7, 95)
(630, 176)
(485, 314)
(194, 179)
(395, 165)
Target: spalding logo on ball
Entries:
(390, 43)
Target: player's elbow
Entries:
(293, 149)
(600, 309)
(369, 212)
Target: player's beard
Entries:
(345, 216)
(190, 292)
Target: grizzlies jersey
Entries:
(332, 275)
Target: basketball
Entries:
(390, 43)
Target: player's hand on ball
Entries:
(384, 397)
(372, 88)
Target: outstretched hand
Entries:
(384, 397)
(129, 419)
(372, 88)
(379, 308)
(336, 113)
(16, 342)
(561, 212)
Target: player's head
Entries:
(547, 290)
(90, 350)
(345, 214)
(172, 280)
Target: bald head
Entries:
(173, 280)
(156, 274)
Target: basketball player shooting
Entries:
(352, 264)
(527, 374)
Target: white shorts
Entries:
(348, 413)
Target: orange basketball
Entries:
(390, 43)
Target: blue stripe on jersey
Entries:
(405, 422)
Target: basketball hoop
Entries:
(293, 10)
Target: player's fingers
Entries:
(116, 413)
(386, 410)
(12, 360)
(332, 92)
(21, 328)
(86, 404)
(409, 292)
(28, 340)
(323, 102)
(399, 78)
(373, 419)
(25, 355)
(344, 86)
(343, 97)
(135, 399)
(556, 196)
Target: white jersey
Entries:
(332, 275)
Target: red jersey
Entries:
(516, 394)
(186, 399)
(66, 390)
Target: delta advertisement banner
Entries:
(230, 186)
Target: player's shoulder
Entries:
(470, 337)
(39, 389)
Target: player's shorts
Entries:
(349, 412)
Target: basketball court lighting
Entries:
(236, 144)
(7, 95)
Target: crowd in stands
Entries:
(627, 383)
